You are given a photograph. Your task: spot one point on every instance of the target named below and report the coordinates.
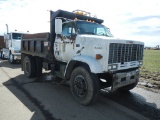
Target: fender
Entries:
(93, 64)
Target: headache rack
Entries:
(120, 53)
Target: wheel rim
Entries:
(80, 86)
(27, 67)
(11, 58)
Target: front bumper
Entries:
(124, 78)
(17, 56)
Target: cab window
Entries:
(68, 29)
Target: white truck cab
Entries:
(94, 44)
(13, 46)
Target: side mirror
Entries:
(58, 26)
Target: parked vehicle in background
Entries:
(12, 47)
(81, 50)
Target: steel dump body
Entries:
(35, 44)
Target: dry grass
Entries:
(150, 70)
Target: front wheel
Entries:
(84, 86)
(11, 58)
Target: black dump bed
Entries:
(36, 44)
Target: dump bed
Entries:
(36, 45)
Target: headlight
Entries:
(112, 67)
(109, 67)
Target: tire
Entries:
(29, 65)
(11, 58)
(128, 87)
(38, 67)
(84, 86)
(3, 57)
(0, 54)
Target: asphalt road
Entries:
(28, 99)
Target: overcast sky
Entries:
(129, 19)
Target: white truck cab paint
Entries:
(13, 46)
(82, 41)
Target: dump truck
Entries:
(80, 50)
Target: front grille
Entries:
(119, 53)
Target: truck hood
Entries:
(109, 39)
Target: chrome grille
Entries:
(119, 53)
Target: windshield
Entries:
(16, 36)
(92, 29)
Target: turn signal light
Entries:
(98, 56)
(75, 19)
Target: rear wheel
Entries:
(11, 58)
(29, 65)
(84, 86)
(2, 56)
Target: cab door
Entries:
(65, 42)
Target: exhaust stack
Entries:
(7, 28)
